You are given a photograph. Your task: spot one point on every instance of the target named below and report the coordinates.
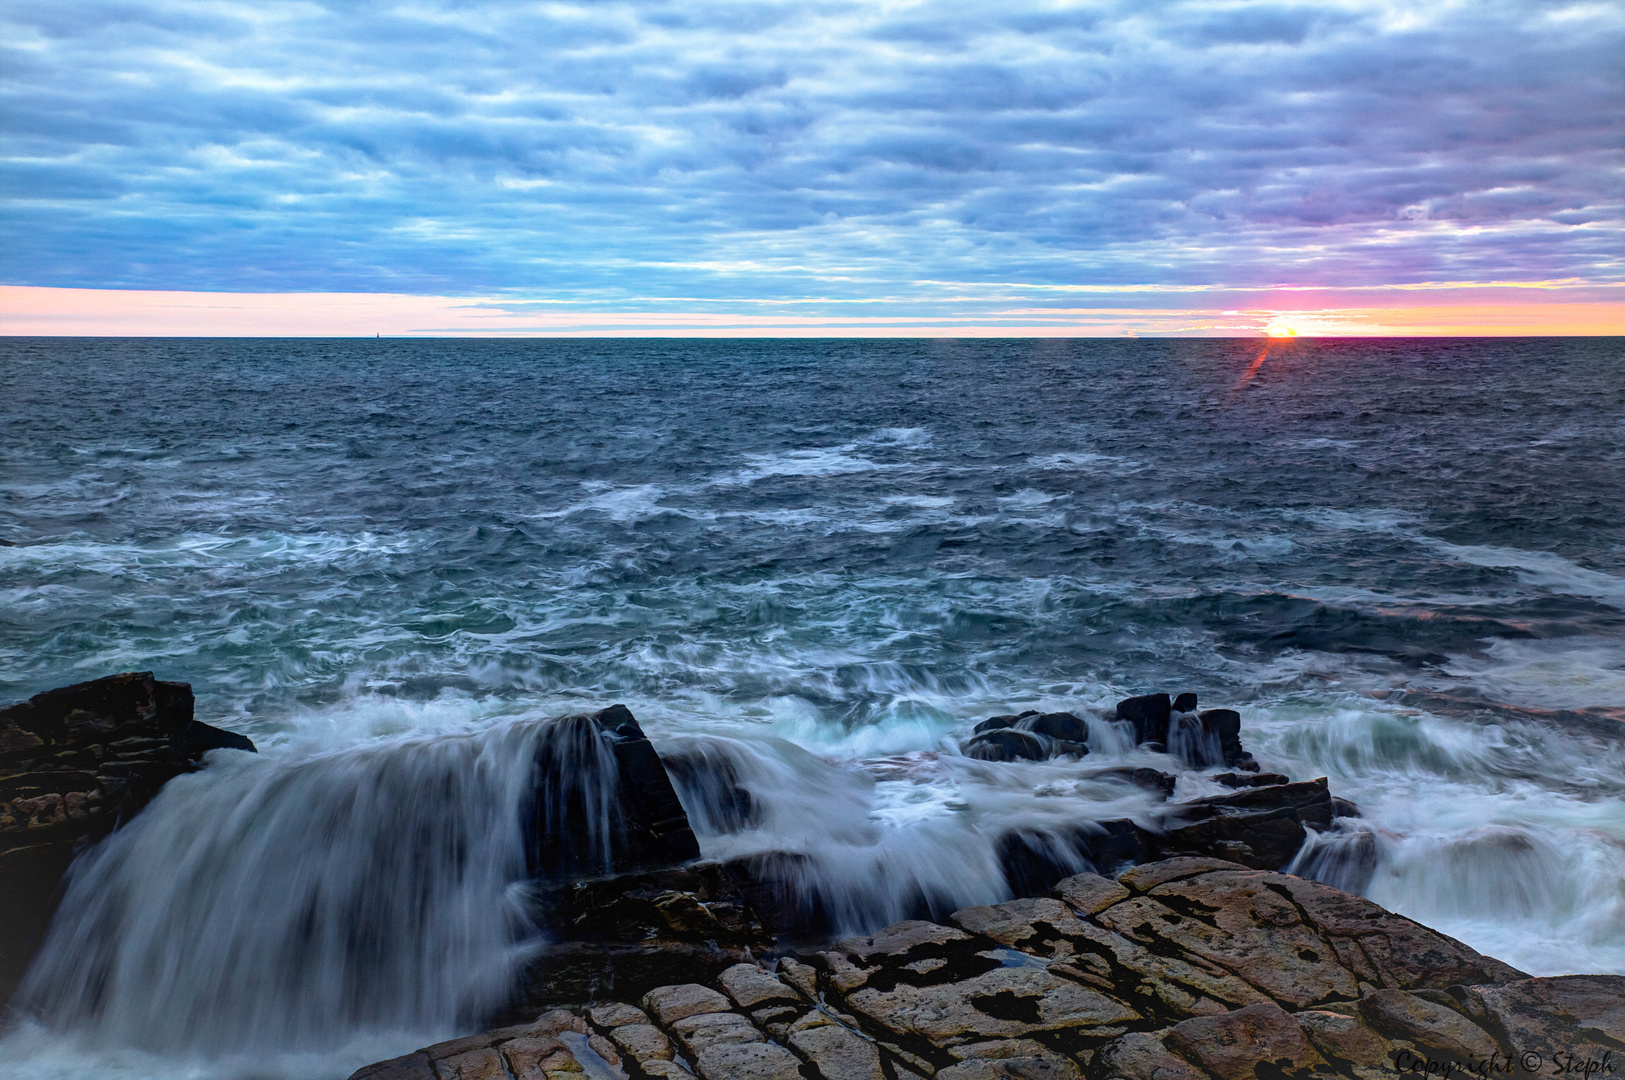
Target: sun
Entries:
(1281, 331)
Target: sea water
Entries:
(823, 562)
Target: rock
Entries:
(1057, 725)
(994, 723)
(1147, 877)
(1006, 744)
(750, 987)
(1236, 780)
(1039, 1066)
(1347, 1041)
(1003, 1002)
(1384, 949)
(1224, 725)
(1261, 840)
(1582, 1015)
(1185, 703)
(1311, 799)
(1180, 970)
(780, 891)
(1233, 919)
(1344, 808)
(75, 763)
(709, 781)
(837, 1052)
(1443, 1031)
(1141, 1056)
(583, 760)
(1091, 893)
(642, 1042)
(669, 1004)
(1149, 714)
(1229, 1047)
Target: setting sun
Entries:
(1281, 331)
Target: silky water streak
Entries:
(283, 905)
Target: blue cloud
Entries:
(613, 151)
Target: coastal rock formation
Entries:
(75, 763)
(603, 801)
(1182, 969)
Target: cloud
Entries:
(619, 151)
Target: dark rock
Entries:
(1149, 714)
(1260, 839)
(1344, 808)
(584, 762)
(1225, 726)
(707, 781)
(1236, 780)
(781, 893)
(994, 723)
(1007, 744)
(695, 903)
(1057, 725)
(1153, 780)
(1311, 799)
(1034, 862)
(75, 763)
(1185, 702)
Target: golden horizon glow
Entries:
(50, 312)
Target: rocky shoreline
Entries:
(1189, 954)
(1181, 969)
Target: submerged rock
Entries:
(1183, 969)
(75, 763)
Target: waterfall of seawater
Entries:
(287, 904)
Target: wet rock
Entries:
(1006, 744)
(1149, 714)
(583, 760)
(781, 892)
(1582, 1015)
(1185, 703)
(709, 781)
(1224, 726)
(1237, 780)
(1234, 1046)
(994, 723)
(1311, 799)
(1057, 725)
(1260, 839)
(1343, 808)
(75, 763)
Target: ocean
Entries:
(1403, 562)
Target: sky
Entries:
(710, 166)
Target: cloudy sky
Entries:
(770, 159)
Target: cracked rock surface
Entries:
(1184, 969)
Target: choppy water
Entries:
(1403, 561)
